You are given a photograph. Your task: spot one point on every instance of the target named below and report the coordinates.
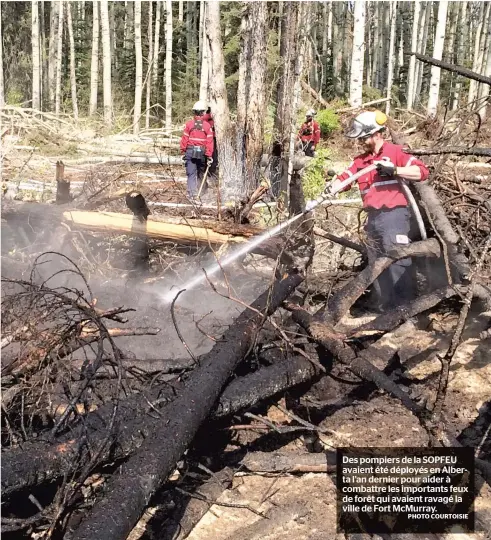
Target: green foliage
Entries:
(328, 121)
(314, 176)
(371, 94)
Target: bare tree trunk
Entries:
(484, 88)
(156, 46)
(36, 63)
(392, 60)
(128, 24)
(139, 68)
(168, 64)
(73, 76)
(425, 25)
(54, 7)
(181, 11)
(2, 88)
(251, 98)
(459, 53)
(112, 33)
(106, 64)
(203, 86)
(478, 52)
(437, 54)
(415, 38)
(59, 59)
(94, 62)
(337, 47)
(43, 58)
(150, 64)
(375, 45)
(358, 55)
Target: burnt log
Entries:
(341, 302)
(341, 351)
(281, 462)
(40, 461)
(346, 242)
(129, 491)
(188, 512)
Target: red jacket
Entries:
(310, 131)
(381, 191)
(191, 136)
(209, 118)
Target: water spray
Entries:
(249, 246)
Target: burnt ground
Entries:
(302, 506)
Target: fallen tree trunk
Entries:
(40, 461)
(185, 231)
(341, 302)
(363, 105)
(460, 151)
(340, 240)
(130, 490)
(441, 223)
(314, 94)
(325, 336)
(453, 68)
(282, 462)
(190, 510)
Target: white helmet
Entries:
(310, 112)
(199, 106)
(367, 123)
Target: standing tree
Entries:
(148, 77)
(437, 54)
(168, 64)
(94, 62)
(479, 45)
(59, 59)
(54, 6)
(392, 59)
(415, 41)
(139, 67)
(73, 76)
(106, 65)
(251, 97)
(358, 55)
(203, 86)
(36, 58)
(156, 46)
(2, 89)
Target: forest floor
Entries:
(300, 506)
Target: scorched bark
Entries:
(129, 491)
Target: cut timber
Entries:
(137, 480)
(453, 68)
(277, 462)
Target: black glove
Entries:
(183, 158)
(209, 160)
(385, 168)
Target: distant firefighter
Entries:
(137, 204)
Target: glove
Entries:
(209, 160)
(385, 168)
(183, 158)
(310, 204)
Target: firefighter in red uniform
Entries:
(197, 148)
(213, 167)
(389, 217)
(309, 134)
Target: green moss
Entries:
(328, 121)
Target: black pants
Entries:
(308, 148)
(389, 229)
